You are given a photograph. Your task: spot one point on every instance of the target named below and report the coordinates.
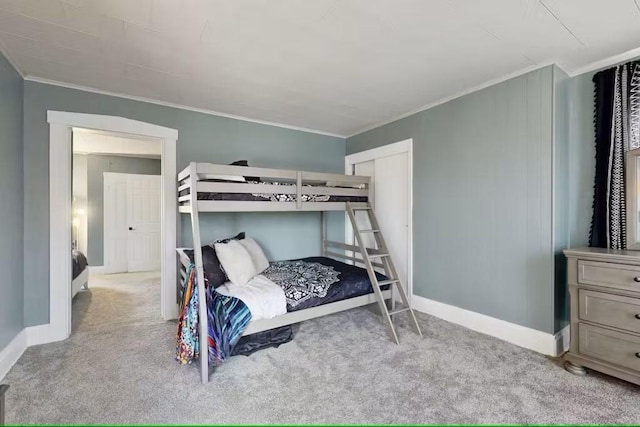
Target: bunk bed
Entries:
(205, 187)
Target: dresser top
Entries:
(604, 254)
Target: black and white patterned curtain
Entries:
(617, 130)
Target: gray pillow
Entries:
(246, 163)
(213, 273)
(238, 236)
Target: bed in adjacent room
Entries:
(79, 271)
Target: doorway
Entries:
(116, 225)
(60, 212)
(391, 170)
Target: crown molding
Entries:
(607, 62)
(177, 106)
(3, 52)
(571, 72)
(455, 96)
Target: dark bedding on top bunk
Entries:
(268, 197)
(314, 281)
(78, 262)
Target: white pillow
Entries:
(234, 178)
(260, 261)
(236, 262)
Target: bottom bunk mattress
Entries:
(314, 281)
(78, 263)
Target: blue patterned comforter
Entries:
(314, 281)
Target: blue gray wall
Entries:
(488, 180)
(582, 154)
(483, 217)
(202, 138)
(561, 194)
(11, 202)
(97, 165)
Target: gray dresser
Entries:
(604, 289)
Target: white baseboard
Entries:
(563, 339)
(12, 352)
(42, 334)
(29, 336)
(522, 336)
(96, 269)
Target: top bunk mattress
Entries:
(257, 196)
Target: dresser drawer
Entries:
(619, 276)
(610, 310)
(615, 347)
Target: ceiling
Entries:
(334, 66)
(87, 141)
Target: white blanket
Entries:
(264, 298)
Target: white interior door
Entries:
(366, 168)
(131, 222)
(115, 223)
(390, 169)
(391, 206)
(143, 217)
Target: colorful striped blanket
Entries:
(227, 318)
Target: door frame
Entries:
(404, 146)
(60, 214)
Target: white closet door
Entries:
(143, 217)
(115, 223)
(392, 207)
(362, 218)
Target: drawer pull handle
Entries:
(636, 279)
(637, 316)
(638, 355)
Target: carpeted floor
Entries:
(118, 367)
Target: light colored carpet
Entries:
(118, 367)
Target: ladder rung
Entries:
(391, 313)
(387, 282)
(373, 230)
(378, 255)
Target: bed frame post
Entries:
(323, 233)
(197, 252)
(298, 189)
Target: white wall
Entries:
(92, 142)
(80, 201)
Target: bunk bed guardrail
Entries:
(273, 182)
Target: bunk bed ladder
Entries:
(381, 252)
